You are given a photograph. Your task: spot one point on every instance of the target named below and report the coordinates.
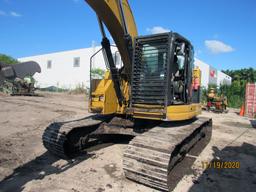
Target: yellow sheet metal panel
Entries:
(103, 98)
(108, 12)
(182, 112)
(110, 99)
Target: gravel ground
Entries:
(25, 165)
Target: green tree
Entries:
(246, 74)
(7, 59)
(236, 91)
(97, 73)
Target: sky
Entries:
(223, 32)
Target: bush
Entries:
(236, 91)
(53, 89)
(79, 89)
(203, 96)
(97, 73)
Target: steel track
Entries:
(63, 139)
(149, 157)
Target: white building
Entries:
(210, 75)
(69, 69)
(223, 79)
(66, 69)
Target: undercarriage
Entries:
(149, 157)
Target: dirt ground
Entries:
(25, 165)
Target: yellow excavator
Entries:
(154, 97)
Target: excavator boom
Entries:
(118, 18)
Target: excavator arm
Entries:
(118, 18)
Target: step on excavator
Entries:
(154, 97)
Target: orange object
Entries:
(242, 111)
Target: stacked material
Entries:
(250, 100)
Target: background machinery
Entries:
(215, 102)
(154, 97)
(17, 79)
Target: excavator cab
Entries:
(160, 85)
(162, 75)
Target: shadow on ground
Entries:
(47, 164)
(36, 169)
(184, 167)
(228, 179)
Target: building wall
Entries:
(63, 74)
(212, 76)
(223, 79)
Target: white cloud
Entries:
(2, 13)
(15, 14)
(157, 29)
(216, 46)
